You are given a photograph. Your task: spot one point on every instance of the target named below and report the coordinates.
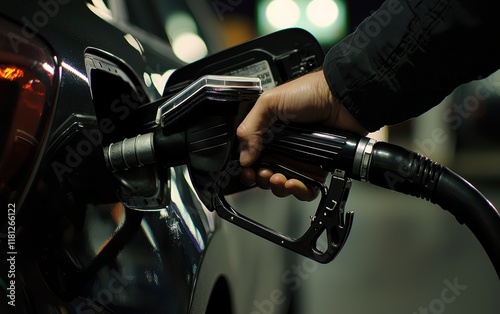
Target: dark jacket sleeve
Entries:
(409, 55)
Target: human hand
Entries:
(307, 99)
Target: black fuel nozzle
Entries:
(330, 149)
(198, 128)
(146, 149)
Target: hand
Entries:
(280, 185)
(307, 99)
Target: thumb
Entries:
(252, 128)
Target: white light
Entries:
(179, 23)
(48, 68)
(189, 47)
(159, 80)
(183, 34)
(147, 79)
(283, 13)
(132, 41)
(322, 13)
(74, 71)
(100, 9)
(101, 6)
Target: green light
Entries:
(325, 19)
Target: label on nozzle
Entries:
(260, 69)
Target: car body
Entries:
(77, 248)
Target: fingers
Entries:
(263, 178)
(252, 128)
(248, 176)
(304, 100)
(278, 184)
(301, 191)
(282, 187)
(307, 99)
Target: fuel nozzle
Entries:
(197, 124)
(146, 149)
(198, 128)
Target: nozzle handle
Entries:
(330, 149)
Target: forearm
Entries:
(405, 58)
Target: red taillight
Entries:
(26, 87)
(11, 73)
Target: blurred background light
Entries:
(327, 20)
(101, 9)
(182, 32)
(282, 13)
(322, 13)
(189, 47)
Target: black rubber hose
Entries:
(398, 169)
(389, 166)
(469, 206)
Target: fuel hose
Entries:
(395, 168)
(361, 158)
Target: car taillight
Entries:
(27, 75)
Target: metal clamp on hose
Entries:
(199, 129)
(362, 158)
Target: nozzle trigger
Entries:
(329, 218)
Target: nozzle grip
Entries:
(330, 149)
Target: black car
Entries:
(80, 78)
(74, 76)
